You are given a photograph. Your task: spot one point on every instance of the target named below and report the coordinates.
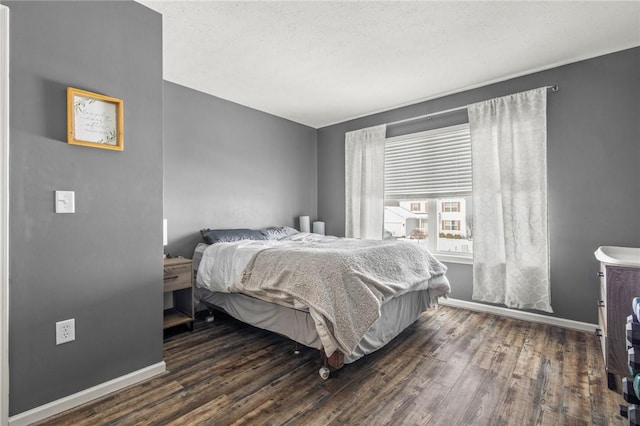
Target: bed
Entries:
(344, 297)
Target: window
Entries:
(451, 206)
(428, 190)
(450, 225)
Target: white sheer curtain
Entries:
(510, 231)
(364, 183)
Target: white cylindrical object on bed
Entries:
(318, 227)
(304, 224)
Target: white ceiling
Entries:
(319, 63)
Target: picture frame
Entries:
(94, 120)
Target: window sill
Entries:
(452, 258)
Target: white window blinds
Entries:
(430, 164)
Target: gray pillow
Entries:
(212, 236)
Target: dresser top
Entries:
(620, 256)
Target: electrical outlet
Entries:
(65, 331)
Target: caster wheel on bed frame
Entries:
(324, 373)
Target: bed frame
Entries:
(396, 315)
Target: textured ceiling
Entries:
(319, 63)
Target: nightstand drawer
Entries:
(177, 277)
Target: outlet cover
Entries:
(65, 331)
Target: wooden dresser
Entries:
(178, 280)
(618, 286)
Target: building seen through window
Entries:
(444, 225)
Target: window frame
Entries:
(432, 200)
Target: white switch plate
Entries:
(65, 202)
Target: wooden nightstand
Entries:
(178, 279)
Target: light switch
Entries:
(65, 202)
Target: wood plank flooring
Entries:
(451, 367)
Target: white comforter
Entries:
(342, 283)
(222, 264)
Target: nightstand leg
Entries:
(611, 381)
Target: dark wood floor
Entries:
(452, 367)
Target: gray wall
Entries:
(103, 264)
(593, 168)
(229, 166)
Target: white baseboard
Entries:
(87, 395)
(523, 315)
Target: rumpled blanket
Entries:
(343, 282)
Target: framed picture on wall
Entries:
(94, 120)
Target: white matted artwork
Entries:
(94, 120)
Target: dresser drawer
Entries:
(177, 277)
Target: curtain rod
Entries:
(447, 111)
